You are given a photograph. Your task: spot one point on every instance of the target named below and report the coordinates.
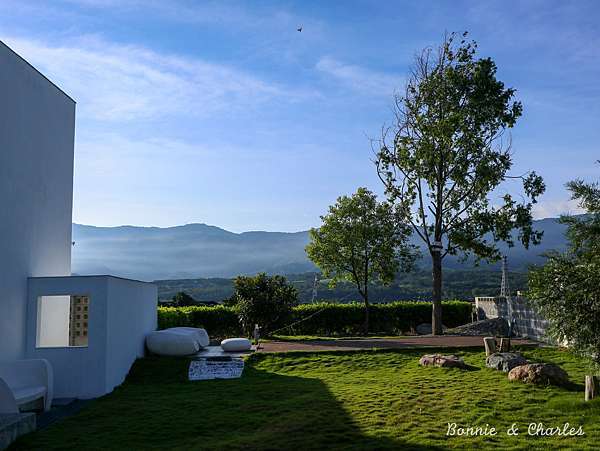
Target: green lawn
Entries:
(333, 400)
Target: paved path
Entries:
(422, 341)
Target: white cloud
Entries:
(126, 82)
(553, 209)
(359, 78)
(206, 12)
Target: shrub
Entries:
(219, 321)
(321, 319)
(263, 300)
(390, 318)
(182, 299)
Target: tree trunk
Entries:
(591, 387)
(436, 313)
(366, 325)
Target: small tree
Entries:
(263, 300)
(182, 299)
(446, 154)
(566, 290)
(361, 240)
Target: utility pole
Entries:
(504, 288)
(505, 293)
(314, 290)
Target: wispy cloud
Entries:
(127, 82)
(242, 16)
(359, 78)
(555, 208)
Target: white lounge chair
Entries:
(200, 334)
(25, 381)
(177, 341)
(236, 345)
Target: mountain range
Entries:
(204, 251)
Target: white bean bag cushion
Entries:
(165, 342)
(236, 345)
(200, 334)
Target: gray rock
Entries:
(539, 373)
(448, 361)
(491, 327)
(505, 361)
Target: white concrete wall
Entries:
(78, 371)
(132, 313)
(37, 123)
(121, 313)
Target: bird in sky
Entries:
(299, 29)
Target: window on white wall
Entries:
(62, 321)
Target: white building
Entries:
(38, 296)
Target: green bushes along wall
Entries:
(323, 319)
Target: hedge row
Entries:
(322, 319)
(392, 318)
(219, 321)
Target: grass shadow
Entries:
(157, 407)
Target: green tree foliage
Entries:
(566, 290)
(447, 151)
(182, 299)
(458, 284)
(263, 300)
(361, 240)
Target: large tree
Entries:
(361, 240)
(448, 151)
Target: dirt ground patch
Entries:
(450, 341)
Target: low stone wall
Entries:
(525, 321)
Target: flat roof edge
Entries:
(90, 276)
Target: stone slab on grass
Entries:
(445, 361)
(215, 368)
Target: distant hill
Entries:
(202, 251)
(189, 251)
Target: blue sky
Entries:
(221, 112)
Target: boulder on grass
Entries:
(448, 361)
(539, 373)
(505, 361)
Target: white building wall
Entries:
(37, 123)
(121, 313)
(131, 315)
(78, 371)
